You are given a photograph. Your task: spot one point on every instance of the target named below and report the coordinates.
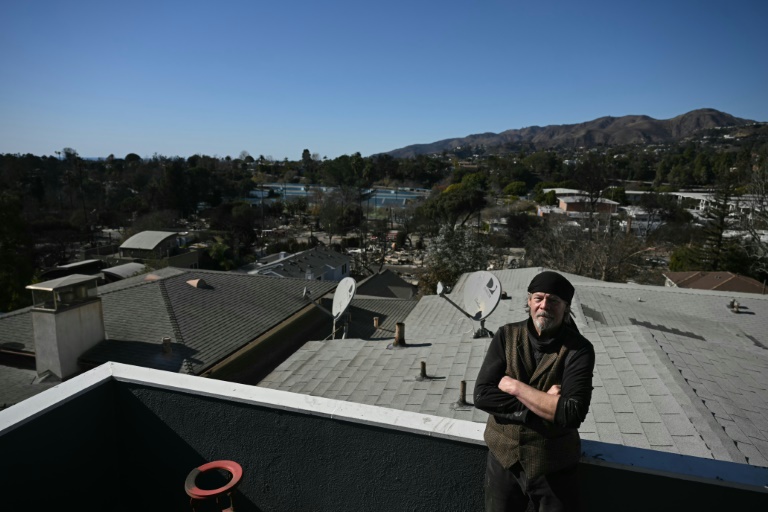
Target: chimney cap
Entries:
(63, 282)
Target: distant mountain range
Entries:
(607, 131)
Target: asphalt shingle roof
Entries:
(386, 284)
(364, 309)
(205, 323)
(676, 370)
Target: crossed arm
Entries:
(538, 402)
(505, 397)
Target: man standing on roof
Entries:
(536, 385)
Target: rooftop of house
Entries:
(125, 270)
(147, 240)
(386, 284)
(317, 260)
(585, 199)
(723, 281)
(677, 370)
(207, 315)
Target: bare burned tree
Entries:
(608, 255)
(756, 220)
(592, 174)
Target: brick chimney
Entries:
(67, 319)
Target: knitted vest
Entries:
(540, 446)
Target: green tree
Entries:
(458, 203)
(221, 255)
(16, 255)
(515, 188)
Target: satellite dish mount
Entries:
(343, 295)
(482, 292)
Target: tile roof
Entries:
(676, 371)
(724, 281)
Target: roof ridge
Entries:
(171, 315)
(718, 285)
(698, 274)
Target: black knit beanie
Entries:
(554, 283)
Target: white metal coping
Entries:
(593, 452)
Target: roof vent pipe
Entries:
(463, 393)
(376, 322)
(399, 334)
(167, 348)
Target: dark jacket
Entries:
(513, 433)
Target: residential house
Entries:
(224, 325)
(583, 204)
(215, 324)
(160, 249)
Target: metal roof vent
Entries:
(198, 283)
(167, 348)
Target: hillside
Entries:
(606, 131)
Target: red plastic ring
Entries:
(227, 465)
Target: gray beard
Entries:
(545, 324)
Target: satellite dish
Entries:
(482, 293)
(343, 296)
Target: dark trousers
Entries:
(510, 490)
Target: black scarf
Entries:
(543, 344)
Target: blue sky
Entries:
(275, 77)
